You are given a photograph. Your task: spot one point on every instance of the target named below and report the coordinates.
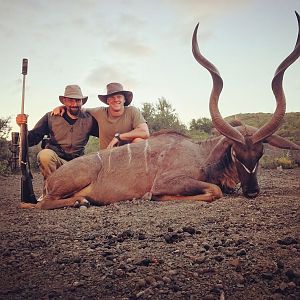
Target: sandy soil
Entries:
(233, 248)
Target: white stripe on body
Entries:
(129, 154)
(146, 149)
(98, 154)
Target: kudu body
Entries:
(170, 166)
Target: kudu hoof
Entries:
(82, 203)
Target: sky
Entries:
(146, 46)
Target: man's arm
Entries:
(141, 131)
(60, 110)
(37, 133)
(95, 128)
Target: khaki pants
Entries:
(48, 162)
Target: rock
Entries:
(141, 236)
(171, 238)
(141, 283)
(173, 272)
(200, 259)
(119, 272)
(218, 258)
(240, 278)
(205, 245)
(241, 252)
(150, 280)
(291, 274)
(267, 275)
(189, 229)
(280, 264)
(234, 262)
(144, 293)
(166, 279)
(287, 241)
(209, 297)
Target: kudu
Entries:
(170, 166)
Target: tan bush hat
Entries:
(73, 91)
(116, 88)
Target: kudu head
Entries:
(247, 149)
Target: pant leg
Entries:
(48, 162)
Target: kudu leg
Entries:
(185, 188)
(50, 203)
(208, 197)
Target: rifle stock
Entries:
(27, 193)
(14, 149)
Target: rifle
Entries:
(27, 193)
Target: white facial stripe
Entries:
(254, 168)
(247, 170)
(234, 159)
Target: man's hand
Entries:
(112, 143)
(21, 119)
(58, 111)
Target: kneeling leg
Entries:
(50, 203)
(185, 188)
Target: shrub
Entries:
(271, 162)
(286, 162)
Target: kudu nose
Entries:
(251, 193)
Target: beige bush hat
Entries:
(116, 88)
(73, 91)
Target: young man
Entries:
(118, 123)
(68, 134)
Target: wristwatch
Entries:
(117, 136)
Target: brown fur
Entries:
(165, 167)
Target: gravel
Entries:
(233, 248)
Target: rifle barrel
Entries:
(24, 72)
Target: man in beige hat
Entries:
(118, 123)
(68, 134)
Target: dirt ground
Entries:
(233, 248)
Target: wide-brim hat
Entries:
(73, 91)
(116, 88)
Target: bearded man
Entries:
(67, 134)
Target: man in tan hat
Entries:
(118, 123)
(68, 134)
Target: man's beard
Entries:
(74, 111)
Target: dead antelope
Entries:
(170, 166)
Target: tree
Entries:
(5, 154)
(162, 116)
(202, 124)
(5, 128)
(148, 111)
(201, 128)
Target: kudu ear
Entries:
(280, 142)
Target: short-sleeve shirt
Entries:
(109, 126)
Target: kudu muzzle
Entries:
(248, 177)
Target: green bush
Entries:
(286, 162)
(92, 145)
(271, 162)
